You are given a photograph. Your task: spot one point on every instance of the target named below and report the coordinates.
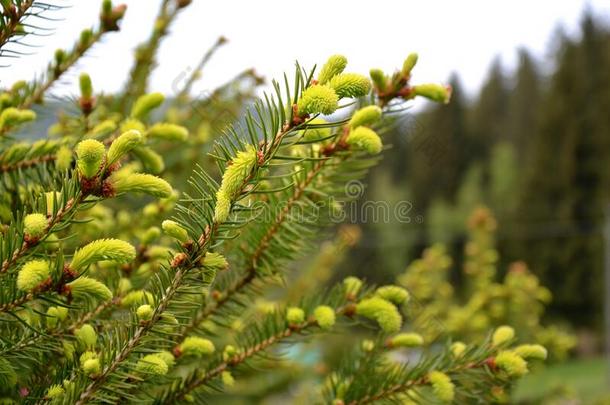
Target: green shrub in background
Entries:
(482, 301)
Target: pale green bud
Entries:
(379, 79)
(35, 225)
(89, 157)
(222, 208)
(228, 352)
(313, 133)
(86, 336)
(145, 312)
(123, 144)
(114, 250)
(104, 128)
(12, 116)
(227, 379)
(63, 158)
(196, 346)
(151, 210)
(457, 349)
(132, 124)
(233, 180)
(159, 252)
(238, 171)
(434, 92)
(145, 104)
(152, 161)
(167, 357)
(56, 314)
(409, 64)
(85, 288)
(32, 274)
(295, 316)
(68, 349)
(442, 386)
(350, 85)
(365, 116)
(173, 229)
(170, 132)
(531, 352)
(367, 345)
(137, 297)
(393, 293)
(382, 311)
(502, 335)
(325, 316)
(60, 56)
(511, 363)
(318, 99)
(140, 183)
(87, 355)
(86, 88)
(215, 261)
(406, 340)
(55, 391)
(51, 198)
(152, 364)
(150, 235)
(85, 37)
(333, 66)
(92, 366)
(366, 139)
(124, 286)
(352, 285)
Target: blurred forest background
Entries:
(534, 146)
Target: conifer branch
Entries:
(248, 353)
(180, 265)
(80, 321)
(67, 209)
(90, 390)
(137, 84)
(409, 384)
(109, 20)
(14, 15)
(39, 89)
(26, 164)
(250, 274)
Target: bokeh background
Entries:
(527, 133)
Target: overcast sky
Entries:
(461, 36)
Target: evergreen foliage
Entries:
(123, 282)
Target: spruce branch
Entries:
(65, 211)
(60, 333)
(180, 264)
(410, 384)
(90, 390)
(183, 262)
(263, 244)
(12, 19)
(39, 279)
(202, 378)
(250, 274)
(65, 60)
(26, 164)
(146, 52)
